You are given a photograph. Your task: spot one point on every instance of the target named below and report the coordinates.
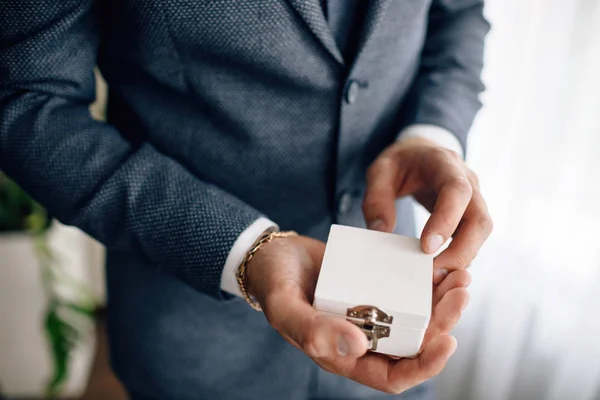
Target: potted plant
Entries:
(47, 338)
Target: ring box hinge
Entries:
(374, 322)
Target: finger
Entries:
(396, 376)
(447, 313)
(406, 373)
(378, 205)
(374, 369)
(319, 335)
(474, 230)
(454, 194)
(441, 274)
(455, 279)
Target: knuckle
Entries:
(452, 155)
(448, 220)
(462, 185)
(474, 178)
(446, 156)
(432, 371)
(371, 206)
(447, 324)
(395, 388)
(372, 171)
(455, 156)
(462, 278)
(486, 225)
(386, 162)
(366, 208)
(369, 202)
(309, 343)
(381, 164)
(435, 372)
(442, 153)
(462, 260)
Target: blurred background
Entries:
(532, 330)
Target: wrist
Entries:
(264, 249)
(273, 252)
(245, 240)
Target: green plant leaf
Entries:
(62, 338)
(67, 320)
(84, 310)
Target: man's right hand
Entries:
(282, 276)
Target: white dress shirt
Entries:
(247, 238)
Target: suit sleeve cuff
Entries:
(237, 253)
(441, 136)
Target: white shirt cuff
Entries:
(241, 246)
(442, 137)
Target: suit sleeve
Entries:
(445, 92)
(132, 198)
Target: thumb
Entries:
(378, 205)
(319, 335)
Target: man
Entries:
(224, 119)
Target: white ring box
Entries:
(381, 282)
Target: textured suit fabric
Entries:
(219, 112)
(345, 18)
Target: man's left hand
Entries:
(440, 180)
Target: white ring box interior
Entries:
(381, 282)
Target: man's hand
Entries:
(441, 181)
(283, 275)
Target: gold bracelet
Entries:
(266, 237)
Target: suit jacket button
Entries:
(345, 203)
(352, 90)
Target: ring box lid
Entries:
(387, 271)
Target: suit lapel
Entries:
(312, 14)
(375, 12)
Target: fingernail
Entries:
(434, 243)
(455, 345)
(343, 346)
(440, 274)
(377, 225)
